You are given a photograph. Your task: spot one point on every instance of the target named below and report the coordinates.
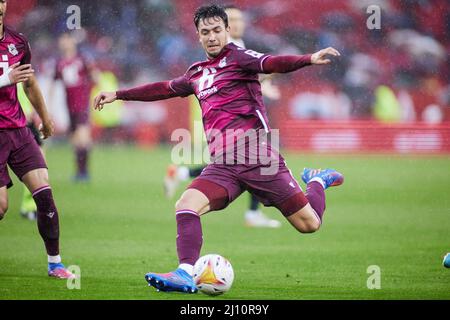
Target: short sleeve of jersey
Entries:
(27, 56)
(181, 86)
(250, 60)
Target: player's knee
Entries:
(312, 226)
(186, 204)
(42, 180)
(305, 220)
(182, 203)
(45, 180)
(308, 226)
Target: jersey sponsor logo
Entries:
(12, 49)
(207, 92)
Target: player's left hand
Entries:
(320, 56)
(47, 129)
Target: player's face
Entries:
(213, 35)
(2, 11)
(237, 23)
(66, 43)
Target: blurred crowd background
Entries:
(399, 73)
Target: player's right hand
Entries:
(46, 128)
(102, 98)
(20, 73)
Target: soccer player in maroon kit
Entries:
(18, 148)
(253, 216)
(227, 87)
(77, 75)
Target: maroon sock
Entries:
(47, 219)
(189, 236)
(82, 159)
(316, 197)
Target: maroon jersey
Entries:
(228, 90)
(14, 47)
(74, 73)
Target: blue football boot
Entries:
(330, 177)
(178, 280)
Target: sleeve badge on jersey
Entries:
(12, 49)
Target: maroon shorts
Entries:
(78, 118)
(18, 150)
(222, 184)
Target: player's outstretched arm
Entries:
(150, 92)
(34, 94)
(16, 73)
(283, 64)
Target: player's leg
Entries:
(256, 218)
(5, 180)
(47, 219)
(3, 201)
(189, 242)
(188, 209)
(29, 165)
(176, 174)
(28, 208)
(305, 220)
(309, 218)
(202, 196)
(82, 142)
(280, 189)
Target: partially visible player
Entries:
(16, 74)
(228, 89)
(19, 150)
(253, 217)
(236, 21)
(77, 76)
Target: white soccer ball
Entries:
(213, 274)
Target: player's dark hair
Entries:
(210, 11)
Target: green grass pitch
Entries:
(392, 211)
